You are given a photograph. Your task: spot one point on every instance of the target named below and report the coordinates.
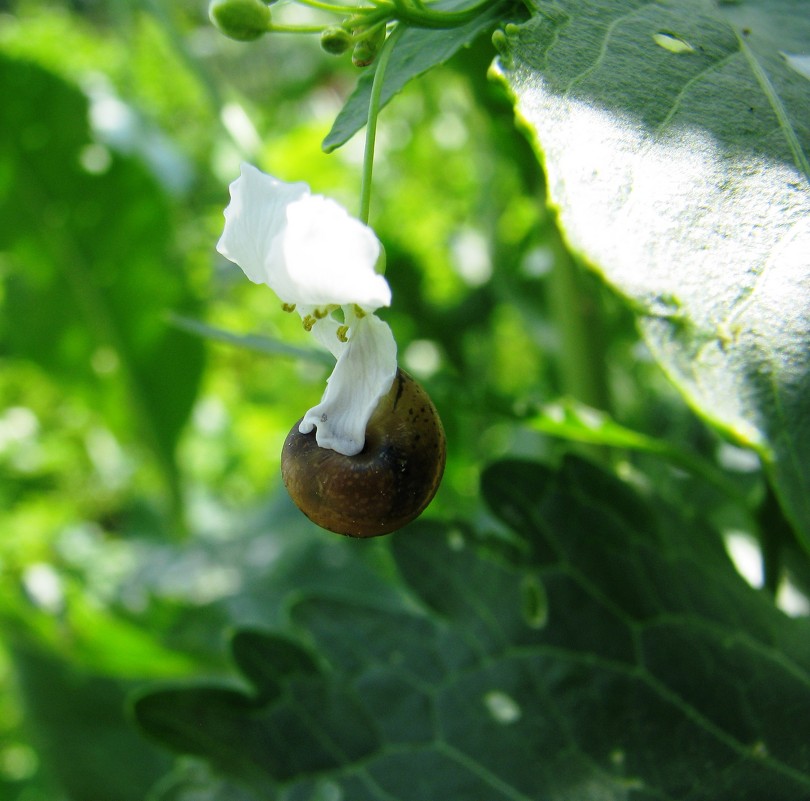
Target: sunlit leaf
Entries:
(676, 144)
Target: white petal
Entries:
(255, 222)
(325, 332)
(364, 372)
(330, 256)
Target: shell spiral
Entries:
(385, 486)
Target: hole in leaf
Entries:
(503, 708)
(799, 64)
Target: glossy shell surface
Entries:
(387, 484)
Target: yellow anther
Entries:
(320, 313)
(341, 333)
(359, 313)
(288, 307)
(308, 322)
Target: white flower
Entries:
(319, 259)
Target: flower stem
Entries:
(295, 28)
(335, 8)
(421, 16)
(374, 104)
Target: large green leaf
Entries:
(615, 655)
(76, 718)
(417, 51)
(675, 137)
(86, 245)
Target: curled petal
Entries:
(365, 369)
(331, 257)
(255, 223)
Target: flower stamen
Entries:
(288, 307)
(342, 333)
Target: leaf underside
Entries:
(675, 137)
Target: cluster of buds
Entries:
(362, 29)
(364, 40)
(247, 20)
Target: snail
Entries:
(388, 484)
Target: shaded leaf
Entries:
(267, 661)
(298, 723)
(61, 699)
(676, 144)
(621, 656)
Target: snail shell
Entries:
(387, 484)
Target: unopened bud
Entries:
(336, 40)
(243, 20)
(367, 47)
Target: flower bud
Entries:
(367, 47)
(243, 20)
(336, 40)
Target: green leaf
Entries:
(578, 422)
(255, 342)
(89, 270)
(417, 51)
(77, 720)
(295, 721)
(620, 656)
(676, 144)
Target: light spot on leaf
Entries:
(18, 762)
(104, 360)
(44, 587)
(95, 159)
(503, 708)
(672, 42)
(455, 540)
(759, 750)
(745, 553)
(328, 791)
(423, 358)
(791, 600)
(534, 602)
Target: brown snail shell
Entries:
(387, 484)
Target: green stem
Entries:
(401, 7)
(577, 318)
(335, 8)
(295, 29)
(424, 18)
(374, 105)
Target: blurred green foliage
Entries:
(141, 507)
